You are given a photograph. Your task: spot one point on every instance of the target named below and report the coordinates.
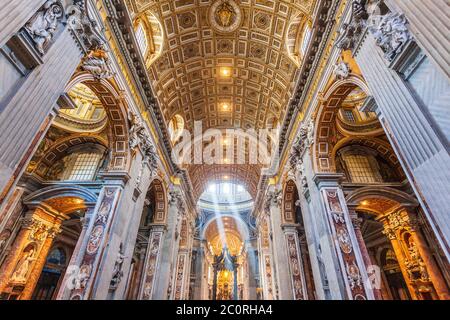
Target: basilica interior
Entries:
(224, 150)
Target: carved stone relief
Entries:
(390, 30)
(44, 24)
(391, 34)
(342, 70)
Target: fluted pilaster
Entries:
(428, 21)
(422, 154)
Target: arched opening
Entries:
(225, 243)
(350, 140)
(39, 261)
(54, 268)
(88, 110)
(73, 209)
(341, 117)
(84, 140)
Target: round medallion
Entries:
(94, 239)
(225, 16)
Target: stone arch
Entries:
(56, 198)
(290, 196)
(325, 133)
(61, 148)
(113, 103)
(247, 175)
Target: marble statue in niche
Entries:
(43, 25)
(23, 267)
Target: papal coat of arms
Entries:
(225, 16)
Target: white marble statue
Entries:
(42, 26)
(23, 267)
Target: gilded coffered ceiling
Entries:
(226, 63)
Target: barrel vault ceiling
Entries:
(228, 64)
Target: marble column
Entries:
(38, 265)
(267, 274)
(295, 263)
(397, 247)
(434, 273)
(75, 259)
(251, 271)
(309, 278)
(169, 245)
(152, 261)
(79, 283)
(179, 288)
(137, 270)
(352, 267)
(279, 248)
(199, 271)
(356, 222)
(325, 263)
